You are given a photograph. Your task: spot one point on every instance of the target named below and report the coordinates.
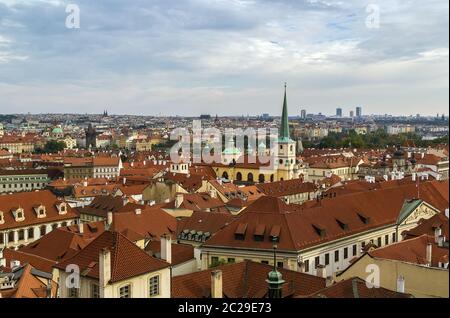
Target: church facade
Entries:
(285, 165)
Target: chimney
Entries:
(80, 228)
(446, 212)
(138, 211)
(2, 260)
(321, 271)
(441, 240)
(49, 288)
(125, 200)
(437, 233)
(212, 193)
(104, 268)
(216, 284)
(429, 253)
(109, 220)
(414, 176)
(14, 263)
(400, 284)
(166, 248)
(178, 200)
(85, 183)
(124, 181)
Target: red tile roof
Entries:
(413, 251)
(27, 201)
(356, 288)
(304, 227)
(127, 259)
(244, 280)
(181, 253)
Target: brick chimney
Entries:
(105, 270)
(80, 228)
(166, 248)
(216, 284)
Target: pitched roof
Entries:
(103, 204)
(305, 227)
(428, 226)
(151, 223)
(286, 187)
(127, 259)
(181, 253)
(244, 280)
(205, 222)
(28, 284)
(356, 288)
(413, 251)
(28, 201)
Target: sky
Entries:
(225, 57)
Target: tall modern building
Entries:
(352, 114)
(338, 112)
(358, 111)
(303, 114)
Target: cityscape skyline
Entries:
(219, 57)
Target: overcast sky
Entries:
(225, 57)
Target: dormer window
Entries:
(40, 210)
(2, 219)
(18, 214)
(62, 208)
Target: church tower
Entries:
(286, 147)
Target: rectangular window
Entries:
(307, 266)
(265, 262)
(280, 264)
(336, 256)
(386, 239)
(95, 291)
(379, 242)
(214, 260)
(394, 237)
(125, 291)
(346, 253)
(317, 261)
(154, 286)
(327, 259)
(230, 260)
(73, 292)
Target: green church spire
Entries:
(284, 133)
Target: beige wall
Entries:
(139, 285)
(420, 281)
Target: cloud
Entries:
(222, 56)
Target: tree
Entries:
(52, 146)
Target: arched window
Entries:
(239, 176)
(225, 175)
(281, 161)
(261, 178)
(250, 177)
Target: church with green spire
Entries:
(287, 161)
(285, 168)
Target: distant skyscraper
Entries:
(338, 112)
(352, 114)
(303, 114)
(358, 111)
